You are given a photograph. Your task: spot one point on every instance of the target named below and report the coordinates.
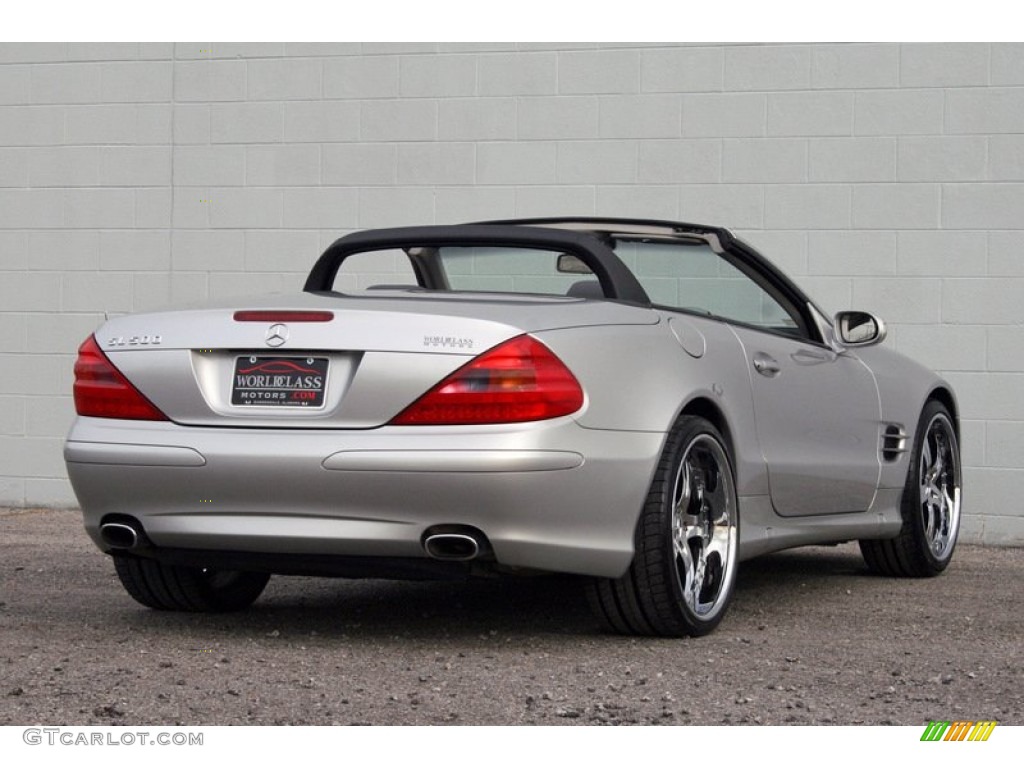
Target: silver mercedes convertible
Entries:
(641, 403)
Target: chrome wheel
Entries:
(704, 526)
(939, 487)
(687, 539)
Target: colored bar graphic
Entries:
(959, 730)
(934, 730)
(982, 730)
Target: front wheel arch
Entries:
(945, 397)
(931, 503)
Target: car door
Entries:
(816, 409)
(817, 419)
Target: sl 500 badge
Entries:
(135, 341)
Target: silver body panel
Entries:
(559, 495)
(541, 503)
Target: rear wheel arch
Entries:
(703, 407)
(707, 409)
(683, 571)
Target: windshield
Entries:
(694, 277)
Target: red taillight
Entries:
(520, 380)
(101, 390)
(276, 316)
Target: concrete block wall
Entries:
(887, 177)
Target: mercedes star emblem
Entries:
(277, 335)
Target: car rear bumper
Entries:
(548, 495)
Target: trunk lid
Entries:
(375, 355)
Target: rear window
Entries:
(509, 270)
(497, 269)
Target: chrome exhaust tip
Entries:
(451, 546)
(119, 536)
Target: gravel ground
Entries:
(811, 638)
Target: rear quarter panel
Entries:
(639, 378)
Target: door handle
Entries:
(813, 356)
(766, 365)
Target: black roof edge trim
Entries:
(616, 279)
(780, 278)
(681, 227)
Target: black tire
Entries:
(930, 506)
(691, 516)
(177, 588)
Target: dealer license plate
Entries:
(297, 382)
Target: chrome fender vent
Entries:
(893, 442)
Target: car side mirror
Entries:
(859, 329)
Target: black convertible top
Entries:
(588, 238)
(616, 280)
